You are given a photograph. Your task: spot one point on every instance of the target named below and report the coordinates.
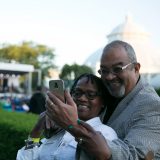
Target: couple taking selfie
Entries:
(114, 117)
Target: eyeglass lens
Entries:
(89, 94)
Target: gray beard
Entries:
(117, 94)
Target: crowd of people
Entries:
(120, 103)
(34, 104)
(14, 104)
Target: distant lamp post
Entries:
(39, 76)
(72, 75)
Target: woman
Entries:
(89, 95)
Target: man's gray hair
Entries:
(129, 49)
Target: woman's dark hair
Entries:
(96, 80)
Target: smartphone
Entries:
(57, 87)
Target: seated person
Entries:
(89, 94)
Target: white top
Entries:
(62, 146)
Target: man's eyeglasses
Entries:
(115, 70)
(89, 94)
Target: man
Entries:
(134, 113)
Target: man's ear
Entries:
(137, 67)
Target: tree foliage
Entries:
(158, 91)
(69, 72)
(38, 55)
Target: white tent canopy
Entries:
(14, 68)
(18, 69)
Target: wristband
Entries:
(35, 140)
(70, 126)
(32, 142)
(78, 121)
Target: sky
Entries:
(74, 28)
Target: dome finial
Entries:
(128, 17)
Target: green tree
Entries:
(70, 72)
(38, 55)
(158, 91)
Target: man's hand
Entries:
(92, 142)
